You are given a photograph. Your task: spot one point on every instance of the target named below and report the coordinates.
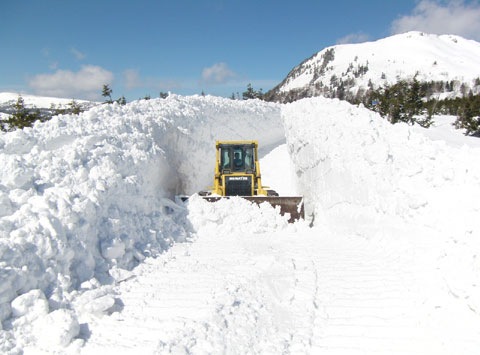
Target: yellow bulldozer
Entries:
(237, 173)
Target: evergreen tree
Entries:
(414, 102)
(401, 102)
(107, 93)
(469, 116)
(122, 100)
(74, 107)
(20, 111)
(260, 94)
(21, 116)
(251, 93)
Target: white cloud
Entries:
(79, 55)
(219, 73)
(447, 17)
(353, 38)
(84, 84)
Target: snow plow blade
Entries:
(288, 204)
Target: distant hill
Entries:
(449, 64)
(37, 101)
(42, 103)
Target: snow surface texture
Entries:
(390, 266)
(80, 194)
(433, 57)
(358, 169)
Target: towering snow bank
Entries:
(79, 194)
(356, 169)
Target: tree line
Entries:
(412, 102)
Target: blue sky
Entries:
(70, 48)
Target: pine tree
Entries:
(122, 100)
(414, 102)
(74, 107)
(20, 109)
(249, 94)
(469, 116)
(21, 117)
(107, 93)
(260, 94)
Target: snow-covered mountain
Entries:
(350, 69)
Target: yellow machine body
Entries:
(247, 172)
(237, 173)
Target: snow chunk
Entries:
(114, 251)
(56, 329)
(33, 304)
(95, 301)
(234, 215)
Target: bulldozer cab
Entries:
(237, 158)
(237, 172)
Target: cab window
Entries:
(225, 159)
(249, 160)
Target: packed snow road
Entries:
(292, 290)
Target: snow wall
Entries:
(356, 169)
(80, 194)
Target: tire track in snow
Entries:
(386, 297)
(288, 292)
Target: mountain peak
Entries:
(369, 65)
